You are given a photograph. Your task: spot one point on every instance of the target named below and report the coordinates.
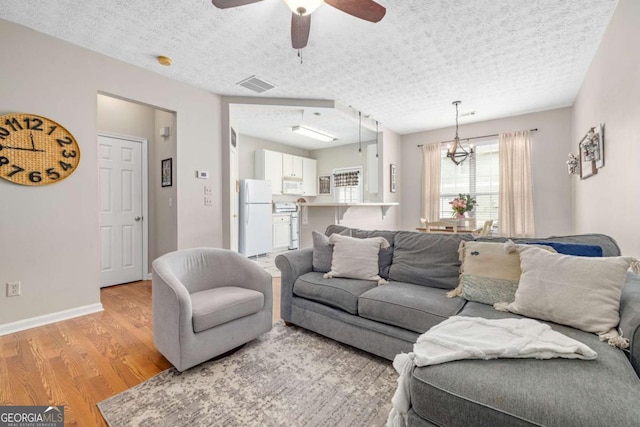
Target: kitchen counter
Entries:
(341, 208)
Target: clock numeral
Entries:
(4, 133)
(65, 141)
(4, 161)
(65, 166)
(35, 176)
(15, 170)
(51, 173)
(52, 129)
(13, 123)
(67, 154)
(33, 123)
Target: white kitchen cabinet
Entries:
(281, 231)
(268, 166)
(291, 166)
(309, 177)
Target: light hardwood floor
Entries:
(80, 362)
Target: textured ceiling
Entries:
(274, 123)
(500, 57)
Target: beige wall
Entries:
(51, 232)
(610, 94)
(550, 146)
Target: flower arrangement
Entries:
(461, 204)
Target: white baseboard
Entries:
(21, 325)
(149, 276)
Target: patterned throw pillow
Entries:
(489, 274)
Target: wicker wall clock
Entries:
(35, 150)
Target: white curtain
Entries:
(516, 186)
(431, 154)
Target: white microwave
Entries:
(291, 186)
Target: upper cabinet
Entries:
(291, 166)
(268, 166)
(274, 166)
(309, 177)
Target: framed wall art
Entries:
(392, 177)
(324, 185)
(591, 149)
(166, 173)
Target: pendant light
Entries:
(359, 133)
(457, 153)
(376, 139)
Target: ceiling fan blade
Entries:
(300, 28)
(368, 10)
(225, 4)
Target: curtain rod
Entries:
(477, 137)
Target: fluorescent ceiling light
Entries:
(312, 134)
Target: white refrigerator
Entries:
(256, 220)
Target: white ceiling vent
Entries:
(255, 84)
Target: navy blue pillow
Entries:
(572, 248)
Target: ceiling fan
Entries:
(368, 10)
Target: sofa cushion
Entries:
(429, 259)
(213, 307)
(408, 306)
(385, 257)
(576, 291)
(520, 392)
(607, 244)
(356, 258)
(489, 274)
(336, 292)
(323, 250)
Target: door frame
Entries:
(145, 273)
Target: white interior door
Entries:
(120, 172)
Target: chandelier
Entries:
(456, 152)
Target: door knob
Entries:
(137, 218)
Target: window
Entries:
(479, 176)
(347, 183)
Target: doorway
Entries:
(132, 122)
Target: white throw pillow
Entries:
(355, 258)
(575, 291)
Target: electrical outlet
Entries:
(208, 201)
(13, 289)
(208, 190)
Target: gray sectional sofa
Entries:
(386, 320)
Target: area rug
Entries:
(287, 377)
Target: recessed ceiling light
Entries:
(164, 60)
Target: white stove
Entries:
(292, 209)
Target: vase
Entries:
(461, 219)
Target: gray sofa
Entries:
(386, 320)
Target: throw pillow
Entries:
(323, 251)
(572, 248)
(489, 272)
(575, 291)
(355, 258)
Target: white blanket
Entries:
(462, 337)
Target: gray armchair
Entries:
(206, 302)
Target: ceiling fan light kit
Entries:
(368, 10)
(303, 7)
